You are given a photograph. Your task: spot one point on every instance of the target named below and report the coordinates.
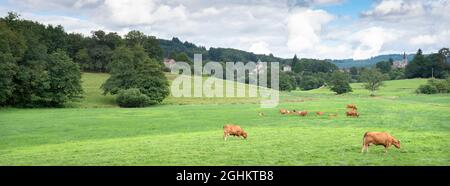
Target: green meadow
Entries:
(188, 131)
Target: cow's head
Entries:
(244, 134)
(396, 143)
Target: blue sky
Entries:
(351, 8)
(309, 28)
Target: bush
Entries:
(132, 98)
(311, 82)
(339, 83)
(434, 87)
(427, 89)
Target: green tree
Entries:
(132, 68)
(132, 98)
(384, 66)
(83, 59)
(149, 43)
(183, 57)
(64, 78)
(373, 79)
(8, 70)
(295, 64)
(339, 82)
(286, 82)
(417, 65)
(309, 82)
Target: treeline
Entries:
(174, 48)
(306, 74)
(41, 65)
(93, 53)
(421, 66)
(35, 69)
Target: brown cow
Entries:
(233, 130)
(319, 113)
(352, 113)
(379, 138)
(285, 111)
(302, 113)
(352, 106)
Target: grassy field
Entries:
(188, 131)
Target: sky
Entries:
(322, 29)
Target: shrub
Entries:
(132, 98)
(339, 83)
(427, 89)
(434, 87)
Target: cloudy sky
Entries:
(309, 28)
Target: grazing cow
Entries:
(261, 114)
(302, 113)
(379, 138)
(233, 130)
(352, 106)
(285, 111)
(319, 113)
(352, 113)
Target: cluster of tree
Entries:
(35, 69)
(433, 65)
(93, 53)
(360, 63)
(40, 65)
(307, 74)
(137, 79)
(384, 67)
(435, 86)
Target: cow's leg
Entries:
(225, 136)
(362, 149)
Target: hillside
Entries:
(229, 54)
(213, 54)
(191, 134)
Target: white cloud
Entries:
(423, 40)
(370, 41)
(260, 48)
(396, 8)
(304, 27)
(284, 28)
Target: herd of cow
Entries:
(369, 138)
(353, 112)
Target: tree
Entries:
(433, 65)
(384, 66)
(372, 79)
(295, 64)
(354, 72)
(309, 82)
(83, 59)
(339, 83)
(64, 78)
(132, 98)
(416, 66)
(149, 43)
(182, 57)
(12, 48)
(132, 68)
(286, 82)
(8, 70)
